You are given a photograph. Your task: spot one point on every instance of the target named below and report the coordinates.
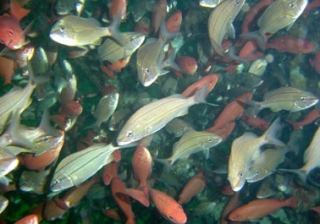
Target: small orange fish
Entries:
(117, 6)
(173, 23)
(52, 211)
(225, 130)
(231, 205)
(6, 69)
(142, 165)
(231, 112)
(193, 187)
(261, 207)
(123, 201)
(109, 172)
(115, 67)
(71, 109)
(211, 81)
(291, 44)
(29, 219)
(309, 118)
(188, 65)
(168, 207)
(11, 33)
(255, 122)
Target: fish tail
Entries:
(46, 126)
(256, 107)
(300, 172)
(292, 201)
(257, 37)
(200, 96)
(169, 62)
(114, 30)
(167, 163)
(270, 134)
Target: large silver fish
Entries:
(111, 51)
(154, 116)
(8, 162)
(79, 166)
(285, 98)
(244, 150)
(220, 22)
(77, 31)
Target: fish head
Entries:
(61, 34)
(126, 137)
(11, 33)
(61, 183)
(148, 74)
(175, 214)
(306, 101)
(237, 180)
(64, 7)
(44, 143)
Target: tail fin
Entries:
(270, 135)
(303, 174)
(166, 162)
(114, 30)
(292, 202)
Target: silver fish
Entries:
(155, 115)
(209, 3)
(78, 167)
(266, 163)
(285, 98)
(178, 127)
(77, 31)
(190, 143)
(244, 150)
(33, 181)
(220, 22)
(111, 51)
(8, 162)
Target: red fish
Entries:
(120, 196)
(188, 65)
(211, 81)
(291, 44)
(71, 109)
(11, 33)
(111, 213)
(115, 67)
(315, 63)
(173, 23)
(168, 207)
(225, 130)
(261, 207)
(309, 118)
(255, 122)
(6, 69)
(52, 211)
(117, 6)
(232, 204)
(109, 172)
(193, 187)
(142, 165)
(231, 112)
(29, 219)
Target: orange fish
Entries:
(231, 205)
(231, 112)
(111, 213)
(29, 219)
(225, 130)
(309, 118)
(261, 207)
(6, 69)
(11, 33)
(188, 65)
(115, 67)
(71, 109)
(310, 6)
(142, 165)
(173, 23)
(117, 6)
(40, 162)
(123, 201)
(193, 187)
(109, 172)
(211, 81)
(75, 194)
(52, 211)
(168, 207)
(255, 122)
(291, 44)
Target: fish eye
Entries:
(147, 71)
(210, 140)
(45, 138)
(62, 28)
(129, 134)
(292, 5)
(10, 32)
(170, 217)
(240, 175)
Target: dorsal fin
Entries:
(17, 11)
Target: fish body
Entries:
(155, 115)
(192, 187)
(79, 166)
(118, 7)
(178, 127)
(259, 208)
(188, 65)
(66, 7)
(109, 172)
(209, 80)
(193, 142)
(173, 23)
(246, 149)
(285, 98)
(32, 181)
(77, 31)
(8, 162)
(291, 44)
(221, 20)
(111, 51)
(168, 207)
(142, 165)
(280, 14)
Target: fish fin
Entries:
(256, 36)
(114, 29)
(256, 106)
(169, 62)
(46, 126)
(200, 96)
(231, 31)
(167, 163)
(139, 196)
(206, 152)
(270, 135)
(17, 11)
(292, 201)
(61, 203)
(303, 174)
(4, 181)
